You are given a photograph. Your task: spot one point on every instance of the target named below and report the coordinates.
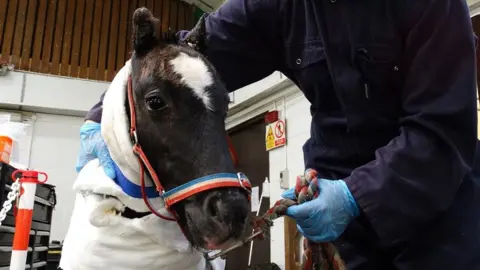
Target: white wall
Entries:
(53, 139)
(51, 146)
(254, 89)
(54, 148)
(53, 94)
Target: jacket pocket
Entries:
(382, 74)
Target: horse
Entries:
(177, 195)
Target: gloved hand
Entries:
(326, 217)
(93, 146)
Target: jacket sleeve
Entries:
(238, 43)
(95, 113)
(241, 43)
(415, 177)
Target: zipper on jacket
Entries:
(367, 91)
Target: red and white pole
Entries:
(23, 219)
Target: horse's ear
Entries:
(196, 37)
(146, 31)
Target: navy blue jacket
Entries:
(393, 102)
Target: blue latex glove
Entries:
(93, 146)
(326, 217)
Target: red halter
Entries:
(184, 191)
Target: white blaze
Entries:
(195, 74)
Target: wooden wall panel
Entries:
(173, 15)
(86, 42)
(77, 39)
(48, 36)
(150, 4)
(93, 63)
(28, 35)
(102, 56)
(58, 38)
(166, 16)
(19, 30)
(3, 20)
(189, 23)
(67, 39)
(88, 39)
(112, 50)
(122, 34)
(38, 36)
(181, 17)
(132, 5)
(9, 29)
(157, 9)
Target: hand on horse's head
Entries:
(93, 146)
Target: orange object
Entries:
(5, 148)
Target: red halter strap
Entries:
(142, 158)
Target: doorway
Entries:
(248, 140)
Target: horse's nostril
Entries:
(228, 207)
(213, 208)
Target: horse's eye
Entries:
(155, 103)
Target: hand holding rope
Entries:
(318, 256)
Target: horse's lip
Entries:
(214, 245)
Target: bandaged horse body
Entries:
(100, 235)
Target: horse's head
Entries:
(181, 106)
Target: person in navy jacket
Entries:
(392, 90)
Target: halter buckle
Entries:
(134, 136)
(241, 178)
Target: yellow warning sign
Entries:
(275, 135)
(269, 138)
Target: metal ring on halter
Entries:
(241, 179)
(134, 137)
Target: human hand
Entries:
(194, 38)
(325, 218)
(93, 146)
